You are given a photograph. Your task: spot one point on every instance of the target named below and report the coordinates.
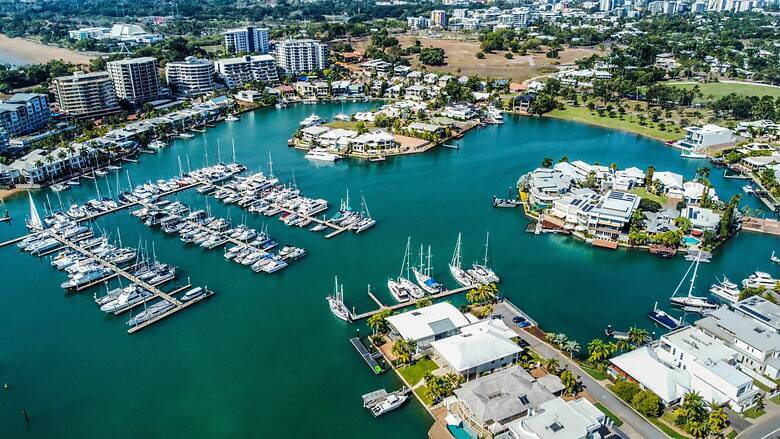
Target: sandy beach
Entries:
(36, 53)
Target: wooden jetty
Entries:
(382, 307)
(367, 356)
(761, 225)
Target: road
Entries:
(634, 425)
(768, 428)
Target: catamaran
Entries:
(458, 273)
(690, 302)
(481, 272)
(401, 287)
(422, 274)
(663, 318)
(336, 302)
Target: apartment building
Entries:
(136, 80)
(84, 95)
(190, 77)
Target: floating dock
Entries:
(367, 356)
(382, 307)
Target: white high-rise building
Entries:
(238, 71)
(416, 23)
(299, 56)
(137, 79)
(248, 39)
(605, 5)
(190, 77)
(86, 94)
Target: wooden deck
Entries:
(761, 225)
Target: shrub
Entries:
(480, 55)
(647, 403)
(626, 390)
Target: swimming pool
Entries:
(690, 240)
(460, 432)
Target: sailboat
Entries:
(458, 273)
(663, 318)
(422, 274)
(481, 272)
(402, 288)
(366, 222)
(336, 302)
(690, 302)
(34, 223)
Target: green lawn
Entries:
(595, 373)
(753, 412)
(776, 399)
(420, 391)
(347, 124)
(415, 372)
(669, 431)
(732, 434)
(617, 421)
(761, 386)
(630, 124)
(643, 193)
(719, 89)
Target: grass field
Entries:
(420, 391)
(415, 372)
(630, 123)
(595, 373)
(715, 90)
(753, 412)
(643, 193)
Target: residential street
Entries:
(634, 425)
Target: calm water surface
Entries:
(264, 356)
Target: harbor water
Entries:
(264, 357)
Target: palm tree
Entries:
(717, 420)
(378, 322)
(404, 349)
(638, 336)
(570, 382)
(571, 347)
(697, 429)
(623, 345)
(598, 351)
(552, 365)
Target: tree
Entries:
(432, 56)
(570, 382)
(638, 336)
(480, 55)
(547, 162)
(378, 322)
(571, 347)
(404, 349)
(647, 403)
(717, 420)
(683, 224)
(598, 351)
(626, 390)
(422, 303)
(552, 365)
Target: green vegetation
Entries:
(698, 418)
(438, 388)
(615, 420)
(630, 123)
(646, 195)
(669, 431)
(754, 412)
(595, 373)
(643, 401)
(432, 56)
(404, 350)
(413, 373)
(732, 434)
(718, 90)
(776, 399)
(422, 392)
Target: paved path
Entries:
(765, 427)
(634, 425)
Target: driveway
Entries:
(634, 425)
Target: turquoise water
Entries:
(264, 356)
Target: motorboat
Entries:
(193, 294)
(152, 311)
(311, 121)
(84, 278)
(231, 118)
(759, 279)
(322, 155)
(692, 154)
(397, 290)
(726, 290)
(129, 296)
(59, 187)
(380, 402)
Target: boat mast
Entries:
(219, 153)
(365, 208)
(682, 280)
(406, 255)
(428, 268)
(456, 255)
(487, 243)
(234, 150)
(270, 165)
(421, 259)
(181, 171)
(693, 277)
(129, 182)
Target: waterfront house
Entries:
(764, 313)
(627, 179)
(417, 93)
(376, 140)
(312, 134)
(611, 215)
(249, 96)
(693, 192)
(546, 185)
(488, 404)
(661, 221)
(428, 324)
(459, 111)
(689, 360)
(757, 347)
(757, 163)
(420, 127)
(337, 138)
(702, 219)
(559, 419)
(700, 138)
(479, 348)
(671, 184)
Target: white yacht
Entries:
(402, 286)
(154, 310)
(422, 274)
(231, 118)
(311, 121)
(400, 294)
(495, 115)
(336, 302)
(126, 299)
(726, 290)
(759, 279)
(692, 154)
(391, 402)
(458, 273)
(481, 272)
(322, 155)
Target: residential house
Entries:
(428, 324)
(559, 419)
(479, 348)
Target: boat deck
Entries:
(402, 305)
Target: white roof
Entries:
(695, 190)
(428, 322)
(669, 179)
(644, 366)
(315, 130)
(477, 344)
(559, 419)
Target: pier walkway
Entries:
(367, 356)
(382, 307)
(761, 225)
(158, 293)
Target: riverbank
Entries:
(630, 124)
(33, 52)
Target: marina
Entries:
(551, 277)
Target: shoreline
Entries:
(33, 52)
(594, 123)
